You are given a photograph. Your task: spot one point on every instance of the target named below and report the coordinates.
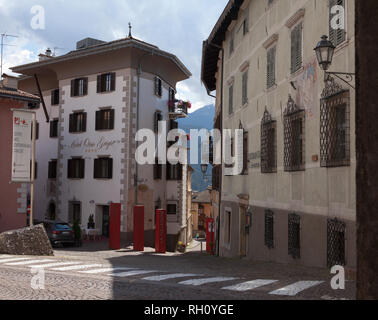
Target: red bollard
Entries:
(161, 231)
(210, 230)
(138, 233)
(115, 226)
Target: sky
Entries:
(175, 26)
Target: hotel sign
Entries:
(22, 146)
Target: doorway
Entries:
(105, 221)
(243, 236)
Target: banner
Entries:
(22, 146)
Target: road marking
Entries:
(55, 264)
(71, 268)
(13, 259)
(199, 282)
(103, 270)
(171, 276)
(295, 288)
(249, 285)
(131, 273)
(27, 262)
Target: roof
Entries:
(212, 46)
(102, 48)
(10, 93)
(201, 197)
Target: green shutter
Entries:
(113, 81)
(99, 84)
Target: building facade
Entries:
(97, 97)
(13, 196)
(295, 201)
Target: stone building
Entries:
(295, 201)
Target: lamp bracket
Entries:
(346, 77)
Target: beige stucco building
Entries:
(295, 202)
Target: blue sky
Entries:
(173, 25)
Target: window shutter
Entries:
(98, 120)
(52, 97)
(231, 99)
(110, 168)
(245, 88)
(299, 47)
(99, 82)
(179, 171)
(85, 90)
(72, 119)
(52, 129)
(84, 123)
(96, 168)
(81, 168)
(113, 81)
(111, 119)
(69, 169)
(73, 91)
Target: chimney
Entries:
(46, 55)
(10, 82)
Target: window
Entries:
(228, 226)
(79, 87)
(294, 130)
(271, 67)
(158, 87)
(54, 128)
(158, 170)
(52, 171)
(335, 242)
(268, 144)
(245, 154)
(231, 99)
(76, 168)
(245, 88)
(174, 171)
(269, 229)
(294, 235)
(296, 48)
(334, 129)
(172, 94)
(106, 82)
(245, 24)
(105, 119)
(78, 122)
(74, 212)
(55, 97)
(171, 209)
(336, 36)
(103, 168)
(157, 117)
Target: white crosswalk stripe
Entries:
(55, 264)
(200, 282)
(295, 288)
(249, 285)
(28, 262)
(171, 276)
(131, 273)
(13, 259)
(72, 268)
(104, 270)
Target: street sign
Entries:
(22, 146)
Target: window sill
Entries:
(342, 45)
(296, 73)
(103, 179)
(245, 105)
(75, 179)
(271, 88)
(81, 132)
(79, 96)
(104, 130)
(105, 92)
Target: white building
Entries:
(97, 97)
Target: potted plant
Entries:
(91, 223)
(77, 233)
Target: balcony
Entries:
(178, 109)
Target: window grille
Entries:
(296, 48)
(294, 133)
(294, 236)
(268, 144)
(245, 88)
(335, 242)
(231, 99)
(269, 229)
(271, 67)
(334, 126)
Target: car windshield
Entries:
(62, 226)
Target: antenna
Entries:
(4, 35)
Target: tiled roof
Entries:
(17, 94)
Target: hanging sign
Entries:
(22, 146)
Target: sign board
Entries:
(22, 146)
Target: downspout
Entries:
(221, 129)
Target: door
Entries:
(243, 236)
(105, 221)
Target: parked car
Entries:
(59, 233)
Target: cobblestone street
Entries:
(124, 274)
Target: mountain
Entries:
(200, 119)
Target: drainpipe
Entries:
(221, 129)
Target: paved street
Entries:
(124, 274)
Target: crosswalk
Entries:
(192, 279)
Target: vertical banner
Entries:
(115, 226)
(210, 231)
(161, 231)
(22, 146)
(138, 233)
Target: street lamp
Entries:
(204, 167)
(324, 53)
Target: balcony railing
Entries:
(178, 109)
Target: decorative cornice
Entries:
(231, 81)
(295, 18)
(291, 107)
(272, 39)
(244, 66)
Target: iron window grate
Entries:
(294, 235)
(268, 144)
(269, 229)
(334, 126)
(335, 242)
(294, 137)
